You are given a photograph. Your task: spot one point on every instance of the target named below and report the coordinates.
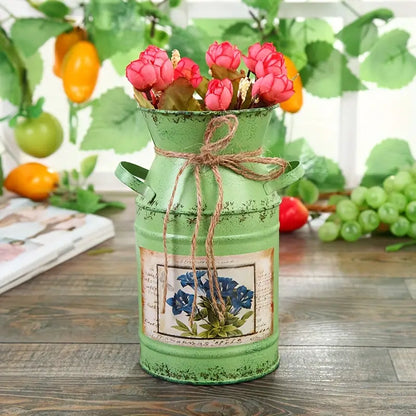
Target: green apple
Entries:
(39, 137)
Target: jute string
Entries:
(209, 156)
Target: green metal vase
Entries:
(207, 350)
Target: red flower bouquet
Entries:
(177, 84)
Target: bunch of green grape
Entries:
(389, 207)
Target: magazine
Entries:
(35, 237)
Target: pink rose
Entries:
(188, 69)
(258, 53)
(151, 53)
(273, 89)
(223, 54)
(219, 94)
(271, 64)
(141, 74)
(163, 66)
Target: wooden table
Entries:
(68, 338)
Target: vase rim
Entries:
(208, 113)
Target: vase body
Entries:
(244, 346)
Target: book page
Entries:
(36, 236)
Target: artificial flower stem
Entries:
(149, 96)
(239, 102)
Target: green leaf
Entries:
(318, 52)
(182, 326)
(65, 179)
(326, 75)
(9, 81)
(308, 191)
(149, 9)
(114, 204)
(389, 63)
(59, 201)
(114, 26)
(202, 88)
(54, 8)
(240, 322)
(228, 328)
(88, 165)
(323, 172)
(156, 37)
(174, 3)
(179, 96)
(235, 333)
(99, 251)
(399, 246)
(293, 189)
(195, 49)
(84, 200)
(30, 34)
(141, 100)
(203, 313)
(295, 35)
(360, 35)
(34, 111)
(275, 137)
(121, 59)
(247, 315)
(298, 57)
(116, 124)
(88, 201)
(313, 165)
(311, 30)
(241, 34)
(75, 174)
(385, 159)
(35, 70)
(220, 72)
(214, 29)
(13, 121)
(334, 180)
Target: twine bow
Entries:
(209, 156)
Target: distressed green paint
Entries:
(248, 224)
(211, 366)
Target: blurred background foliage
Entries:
(121, 29)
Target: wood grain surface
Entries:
(68, 338)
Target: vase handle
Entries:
(293, 172)
(133, 176)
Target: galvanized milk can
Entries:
(208, 293)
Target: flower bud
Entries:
(273, 89)
(162, 64)
(257, 53)
(219, 94)
(223, 54)
(273, 63)
(141, 74)
(187, 68)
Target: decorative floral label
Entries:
(246, 285)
